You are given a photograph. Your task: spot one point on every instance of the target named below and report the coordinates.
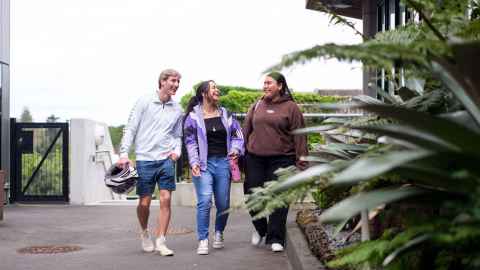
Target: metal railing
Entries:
(314, 115)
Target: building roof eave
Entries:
(352, 8)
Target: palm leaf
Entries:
(355, 134)
(348, 147)
(362, 201)
(367, 168)
(314, 129)
(455, 82)
(370, 53)
(335, 152)
(335, 120)
(448, 131)
(304, 177)
(366, 99)
(433, 179)
(408, 246)
(413, 136)
(463, 118)
(315, 159)
(451, 163)
(466, 55)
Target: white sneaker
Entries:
(218, 240)
(276, 247)
(202, 247)
(162, 248)
(256, 238)
(147, 243)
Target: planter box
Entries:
(298, 252)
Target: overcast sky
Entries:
(93, 58)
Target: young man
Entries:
(155, 126)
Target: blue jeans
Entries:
(157, 172)
(215, 180)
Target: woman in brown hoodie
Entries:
(271, 145)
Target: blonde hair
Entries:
(164, 75)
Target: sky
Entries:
(94, 58)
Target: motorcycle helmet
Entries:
(121, 181)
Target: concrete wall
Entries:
(90, 148)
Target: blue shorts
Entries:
(160, 172)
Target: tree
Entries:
(52, 119)
(26, 116)
(52, 132)
(116, 134)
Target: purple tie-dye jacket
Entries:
(195, 136)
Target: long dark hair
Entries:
(202, 88)
(279, 78)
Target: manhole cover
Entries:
(174, 231)
(54, 249)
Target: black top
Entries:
(216, 137)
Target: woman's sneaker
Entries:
(202, 247)
(276, 247)
(256, 238)
(162, 248)
(218, 240)
(147, 243)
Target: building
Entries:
(377, 16)
(4, 91)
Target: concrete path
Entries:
(109, 239)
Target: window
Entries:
(391, 14)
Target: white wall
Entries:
(5, 31)
(87, 169)
(185, 195)
(90, 144)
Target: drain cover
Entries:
(53, 249)
(174, 231)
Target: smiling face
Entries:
(271, 88)
(212, 95)
(170, 85)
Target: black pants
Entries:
(258, 171)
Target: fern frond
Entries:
(371, 54)
(337, 19)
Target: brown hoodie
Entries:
(268, 126)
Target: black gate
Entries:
(39, 162)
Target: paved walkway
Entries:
(109, 238)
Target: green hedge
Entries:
(239, 99)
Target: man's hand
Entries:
(173, 156)
(123, 163)
(196, 170)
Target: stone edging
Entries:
(298, 252)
